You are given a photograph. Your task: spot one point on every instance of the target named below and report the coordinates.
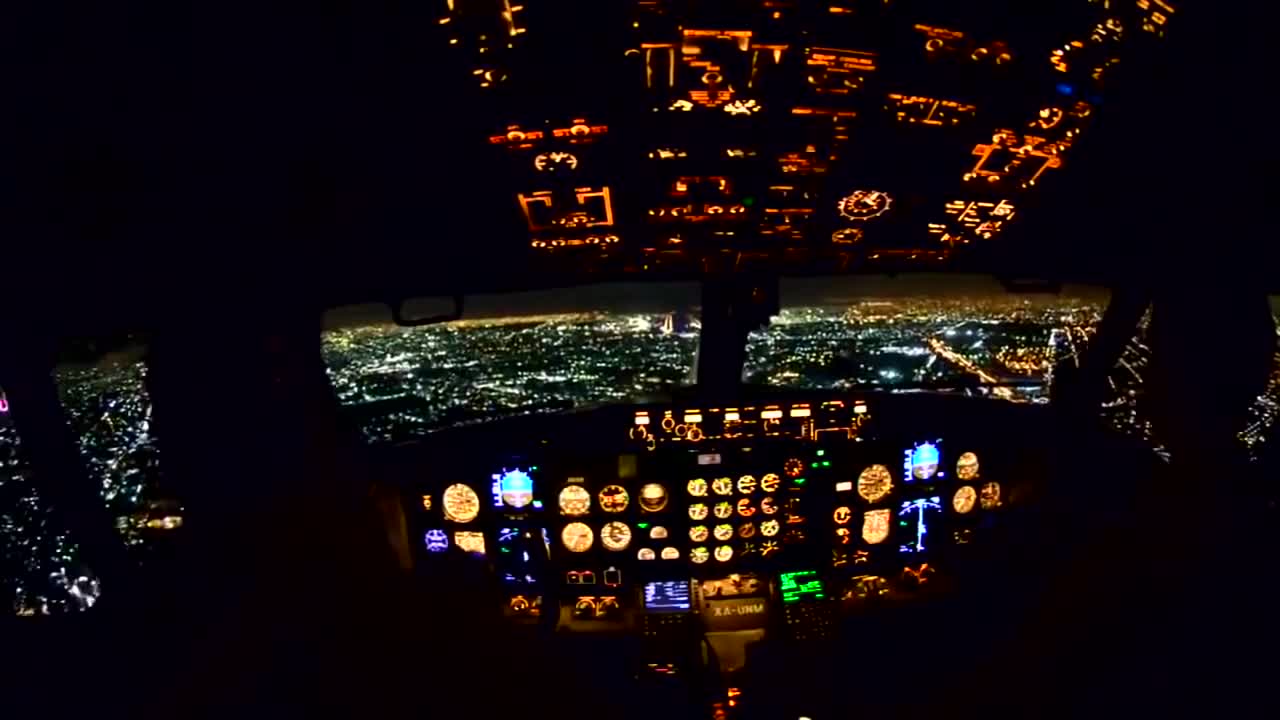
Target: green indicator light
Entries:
(826, 463)
(532, 468)
(748, 201)
(821, 453)
(642, 526)
(799, 481)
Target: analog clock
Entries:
(874, 483)
(577, 537)
(615, 536)
(614, 499)
(575, 501)
(461, 504)
(864, 204)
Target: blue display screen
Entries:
(923, 462)
(667, 596)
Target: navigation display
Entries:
(800, 585)
(667, 596)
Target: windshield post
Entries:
(732, 307)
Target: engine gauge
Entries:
(575, 501)
(645, 554)
(767, 506)
(769, 528)
(461, 504)
(577, 537)
(792, 468)
(874, 483)
(698, 533)
(964, 499)
(670, 553)
(722, 486)
(698, 511)
(699, 555)
(657, 532)
(723, 509)
(615, 536)
(747, 484)
(967, 466)
(723, 532)
(747, 531)
(614, 499)
(724, 553)
(697, 487)
(770, 482)
(745, 508)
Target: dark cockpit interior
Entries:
(647, 358)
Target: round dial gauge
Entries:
(767, 506)
(658, 532)
(516, 488)
(792, 468)
(874, 483)
(769, 528)
(990, 498)
(653, 497)
(670, 553)
(964, 499)
(967, 466)
(747, 484)
(924, 461)
(698, 533)
(645, 554)
(864, 204)
(698, 511)
(722, 486)
(699, 555)
(842, 515)
(575, 501)
(723, 509)
(461, 504)
(770, 482)
(577, 537)
(745, 509)
(724, 553)
(615, 536)
(614, 499)
(747, 531)
(697, 487)
(723, 532)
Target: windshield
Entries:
(512, 355)
(943, 333)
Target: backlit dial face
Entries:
(967, 466)
(723, 509)
(747, 531)
(722, 486)
(555, 161)
(699, 555)
(747, 484)
(645, 554)
(990, 496)
(575, 501)
(670, 553)
(723, 532)
(924, 461)
(698, 511)
(461, 504)
(769, 528)
(653, 497)
(724, 553)
(874, 483)
(864, 204)
(698, 533)
(615, 536)
(657, 532)
(770, 482)
(792, 468)
(614, 499)
(697, 487)
(964, 499)
(577, 537)
(842, 515)
(745, 509)
(767, 506)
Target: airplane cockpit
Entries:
(757, 359)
